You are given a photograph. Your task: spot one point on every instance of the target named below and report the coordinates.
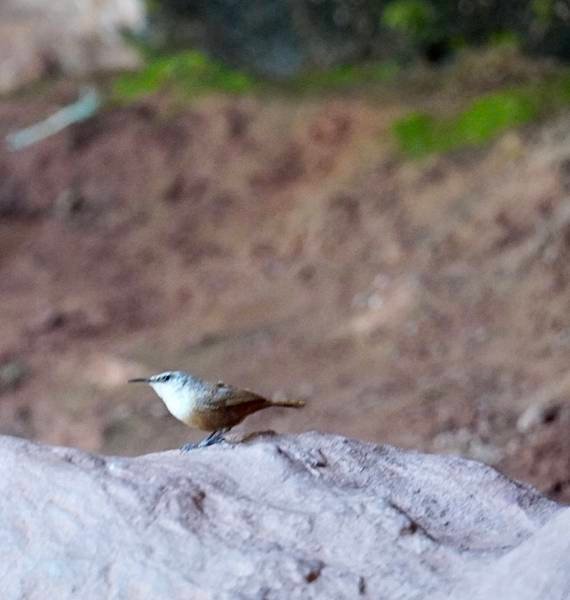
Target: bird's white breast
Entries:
(179, 400)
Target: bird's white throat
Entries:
(179, 399)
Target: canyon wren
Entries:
(214, 407)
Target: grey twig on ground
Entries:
(84, 108)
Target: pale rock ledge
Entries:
(277, 517)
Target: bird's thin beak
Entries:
(139, 380)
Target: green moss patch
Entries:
(194, 73)
(190, 72)
(344, 77)
(419, 134)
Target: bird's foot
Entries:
(216, 437)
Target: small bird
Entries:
(214, 407)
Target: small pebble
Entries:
(12, 374)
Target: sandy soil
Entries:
(282, 245)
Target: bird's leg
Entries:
(213, 438)
(201, 444)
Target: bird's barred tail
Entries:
(289, 403)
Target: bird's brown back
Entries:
(225, 406)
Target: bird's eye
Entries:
(165, 377)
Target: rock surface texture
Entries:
(310, 516)
(78, 38)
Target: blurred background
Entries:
(361, 203)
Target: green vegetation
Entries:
(420, 134)
(543, 11)
(190, 72)
(413, 18)
(193, 73)
(505, 39)
(345, 76)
